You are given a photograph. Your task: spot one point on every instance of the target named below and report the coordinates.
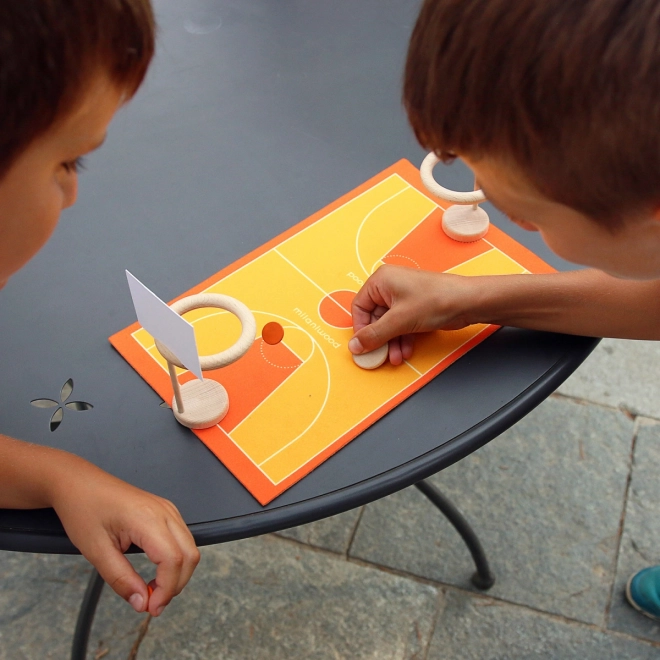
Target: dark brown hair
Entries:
(49, 51)
(568, 91)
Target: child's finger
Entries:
(164, 587)
(174, 568)
(372, 336)
(369, 301)
(191, 552)
(407, 346)
(395, 354)
(120, 575)
(369, 338)
(361, 309)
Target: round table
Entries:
(253, 116)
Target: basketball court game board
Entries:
(295, 403)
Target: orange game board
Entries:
(294, 404)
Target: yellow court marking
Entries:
(380, 261)
(390, 224)
(320, 251)
(522, 268)
(366, 219)
(491, 262)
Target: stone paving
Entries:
(566, 504)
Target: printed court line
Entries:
(261, 403)
(327, 395)
(364, 220)
(311, 458)
(404, 236)
(467, 261)
(307, 277)
(415, 370)
(505, 254)
(246, 456)
(341, 206)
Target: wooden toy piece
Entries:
(176, 387)
(236, 307)
(465, 223)
(462, 223)
(426, 172)
(272, 333)
(201, 404)
(372, 359)
(206, 404)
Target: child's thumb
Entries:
(371, 337)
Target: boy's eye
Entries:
(76, 165)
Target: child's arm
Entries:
(102, 516)
(397, 302)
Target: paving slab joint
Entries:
(439, 608)
(622, 519)
(354, 532)
(631, 413)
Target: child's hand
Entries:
(103, 515)
(396, 302)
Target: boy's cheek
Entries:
(28, 227)
(569, 249)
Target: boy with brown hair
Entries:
(66, 67)
(555, 106)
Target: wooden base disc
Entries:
(205, 403)
(465, 223)
(372, 359)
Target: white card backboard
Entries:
(165, 325)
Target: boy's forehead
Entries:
(508, 188)
(85, 126)
(501, 182)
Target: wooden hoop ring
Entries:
(426, 172)
(237, 308)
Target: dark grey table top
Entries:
(254, 115)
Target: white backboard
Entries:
(165, 325)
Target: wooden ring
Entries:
(237, 308)
(426, 172)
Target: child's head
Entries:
(556, 107)
(65, 68)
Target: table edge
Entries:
(359, 494)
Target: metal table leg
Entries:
(483, 579)
(86, 616)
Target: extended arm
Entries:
(586, 302)
(398, 302)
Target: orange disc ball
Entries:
(272, 333)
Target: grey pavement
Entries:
(566, 504)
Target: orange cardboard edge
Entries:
(141, 361)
